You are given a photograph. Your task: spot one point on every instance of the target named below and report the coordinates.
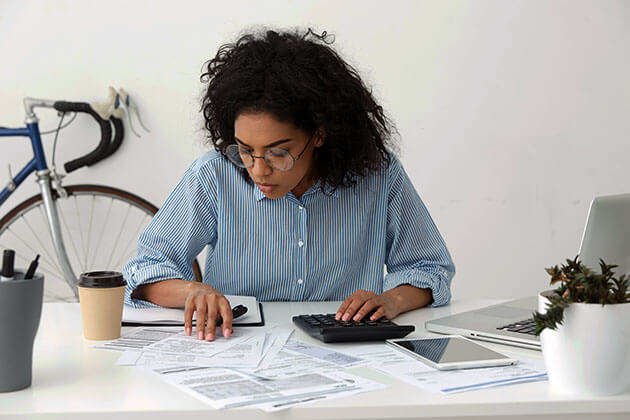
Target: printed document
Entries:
(425, 377)
(263, 368)
(246, 354)
(224, 388)
(309, 358)
(323, 353)
(139, 338)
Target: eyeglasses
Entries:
(275, 157)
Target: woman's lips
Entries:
(266, 188)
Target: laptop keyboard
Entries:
(527, 326)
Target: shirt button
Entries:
(300, 281)
(300, 244)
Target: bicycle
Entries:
(56, 217)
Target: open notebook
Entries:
(173, 316)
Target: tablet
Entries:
(452, 352)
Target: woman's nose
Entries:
(260, 168)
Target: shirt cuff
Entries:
(440, 285)
(136, 277)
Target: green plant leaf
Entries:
(579, 283)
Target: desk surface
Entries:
(70, 380)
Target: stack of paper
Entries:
(259, 368)
(416, 373)
(262, 367)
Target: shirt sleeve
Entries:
(178, 232)
(416, 252)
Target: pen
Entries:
(31, 269)
(8, 260)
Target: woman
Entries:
(301, 198)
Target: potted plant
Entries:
(584, 328)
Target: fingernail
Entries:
(346, 317)
(357, 317)
(226, 332)
(337, 316)
(188, 331)
(208, 336)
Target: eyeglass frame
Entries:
(254, 157)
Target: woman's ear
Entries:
(320, 135)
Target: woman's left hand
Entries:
(362, 302)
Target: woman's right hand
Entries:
(209, 305)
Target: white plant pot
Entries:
(589, 353)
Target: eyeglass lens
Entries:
(277, 158)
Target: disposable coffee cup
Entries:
(101, 296)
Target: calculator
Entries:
(326, 328)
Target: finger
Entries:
(378, 314)
(226, 313)
(212, 317)
(346, 303)
(354, 306)
(188, 313)
(365, 309)
(202, 309)
(342, 308)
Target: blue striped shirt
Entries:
(323, 246)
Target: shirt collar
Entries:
(258, 195)
(315, 188)
(328, 190)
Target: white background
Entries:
(512, 114)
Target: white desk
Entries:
(73, 381)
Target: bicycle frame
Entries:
(38, 164)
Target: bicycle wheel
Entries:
(100, 227)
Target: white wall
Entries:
(512, 114)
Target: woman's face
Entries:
(258, 132)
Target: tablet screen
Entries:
(449, 350)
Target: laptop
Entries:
(606, 235)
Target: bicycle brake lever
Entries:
(129, 105)
(122, 107)
(132, 105)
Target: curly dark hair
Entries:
(299, 79)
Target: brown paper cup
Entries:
(101, 298)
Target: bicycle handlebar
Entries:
(104, 147)
(119, 133)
